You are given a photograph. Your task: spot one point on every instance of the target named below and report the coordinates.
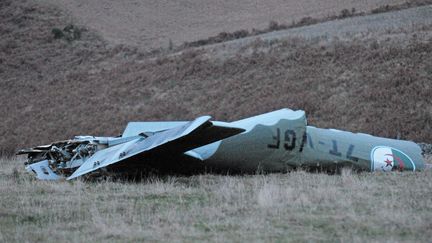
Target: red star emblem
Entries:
(388, 162)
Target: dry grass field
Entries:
(299, 206)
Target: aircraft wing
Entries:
(176, 140)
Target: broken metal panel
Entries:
(29, 151)
(43, 171)
(121, 140)
(103, 158)
(135, 128)
(275, 141)
(67, 155)
(194, 154)
(269, 119)
(177, 140)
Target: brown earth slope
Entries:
(54, 89)
(152, 24)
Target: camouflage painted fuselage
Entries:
(281, 140)
(275, 141)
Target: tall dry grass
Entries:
(277, 207)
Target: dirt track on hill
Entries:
(393, 27)
(152, 24)
(53, 89)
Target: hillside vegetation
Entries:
(54, 88)
(60, 78)
(151, 24)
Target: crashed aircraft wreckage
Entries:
(275, 141)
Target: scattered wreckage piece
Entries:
(275, 141)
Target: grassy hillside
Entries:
(56, 88)
(289, 207)
(59, 79)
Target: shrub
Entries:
(72, 32)
(69, 33)
(273, 25)
(58, 33)
(344, 13)
(307, 21)
(381, 9)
